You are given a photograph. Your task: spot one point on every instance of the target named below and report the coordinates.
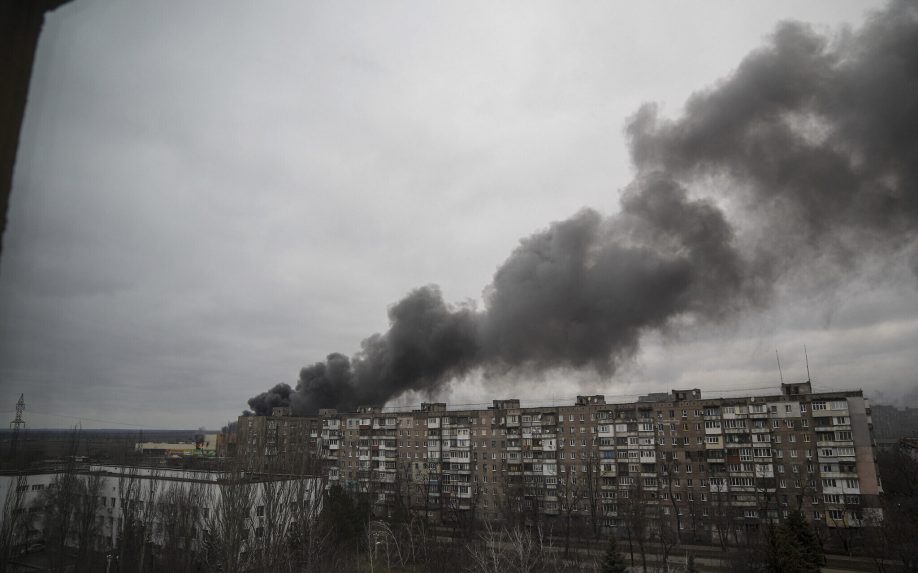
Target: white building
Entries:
(124, 496)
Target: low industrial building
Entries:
(205, 445)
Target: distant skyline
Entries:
(209, 197)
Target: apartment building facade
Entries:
(705, 466)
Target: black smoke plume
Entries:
(812, 143)
(275, 397)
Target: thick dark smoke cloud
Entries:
(582, 292)
(813, 144)
(275, 397)
(820, 138)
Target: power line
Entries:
(100, 420)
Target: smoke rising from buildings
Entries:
(807, 152)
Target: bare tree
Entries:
(128, 488)
(721, 509)
(305, 537)
(146, 516)
(178, 524)
(666, 538)
(592, 482)
(514, 549)
(70, 504)
(898, 523)
(511, 492)
(636, 519)
(13, 521)
(88, 524)
(227, 525)
(277, 503)
(571, 494)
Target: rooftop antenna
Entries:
(808, 379)
(780, 373)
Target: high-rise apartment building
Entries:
(709, 466)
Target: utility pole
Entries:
(807, 357)
(15, 497)
(16, 425)
(780, 373)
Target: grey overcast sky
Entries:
(211, 195)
